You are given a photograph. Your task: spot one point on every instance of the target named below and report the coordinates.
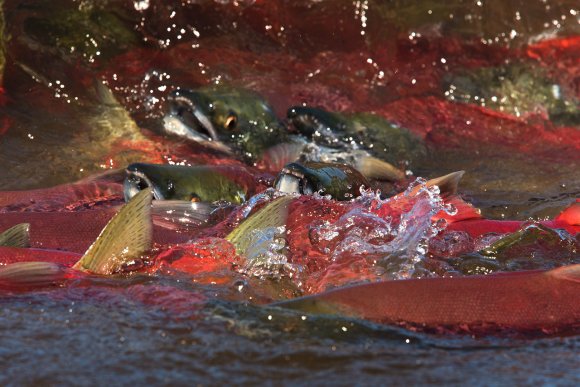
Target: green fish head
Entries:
(178, 182)
(359, 131)
(340, 181)
(226, 118)
(324, 128)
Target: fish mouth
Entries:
(292, 179)
(186, 118)
(304, 120)
(318, 125)
(136, 181)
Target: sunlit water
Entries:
(429, 67)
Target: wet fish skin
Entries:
(340, 181)
(75, 231)
(523, 300)
(225, 118)
(234, 184)
(359, 131)
(65, 197)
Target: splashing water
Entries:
(376, 239)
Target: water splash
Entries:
(390, 235)
(267, 256)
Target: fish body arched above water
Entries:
(240, 122)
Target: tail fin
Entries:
(447, 184)
(27, 274)
(16, 236)
(570, 215)
(373, 168)
(273, 215)
(126, 237)
(276, 157)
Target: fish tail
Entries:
(28, 274)
(16, 236)
(373, 168)
(125, 238)
(447, 184)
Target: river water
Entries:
(491, 87)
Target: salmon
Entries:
(535, 300)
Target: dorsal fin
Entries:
(16, 236)
(272, 215)
(571, 215)
(126, 237)
(570, 272)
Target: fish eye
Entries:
(231, 121)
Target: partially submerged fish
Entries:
(340, 181)
(229, 119)
(125, 238)
(234, 184)
(568, 219)
(239, 121)
(534, 300)
(528, 300)
(362, 134)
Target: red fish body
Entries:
(525, 300)
(74, 231)
(65, 197)
(9, 255)
(569, 220)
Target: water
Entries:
(491, 87)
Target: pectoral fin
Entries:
(126, 237)
(16, 236)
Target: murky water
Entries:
(491, 87)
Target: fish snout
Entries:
(303, 120)
(294, 179)
(188, 116)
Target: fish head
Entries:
(318, 125)
(226, 118)
(198, 183)
(341, 181)
(141, 176)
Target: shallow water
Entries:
(521, 155)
